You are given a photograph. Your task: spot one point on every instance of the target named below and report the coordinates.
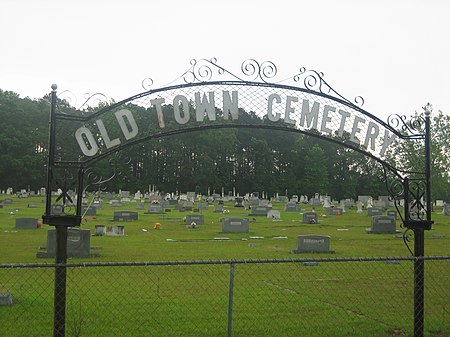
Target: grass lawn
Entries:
(284, 299)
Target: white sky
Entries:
(394, 53)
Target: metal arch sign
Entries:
(304, 103)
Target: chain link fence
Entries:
(295, 297)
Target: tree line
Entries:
(237, 160)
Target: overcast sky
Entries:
(394, 53)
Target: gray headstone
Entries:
(382, 224)
(446, 209)
(140, 206)
(56, 209)
(78, 243)
(310, 217)
(218, 208)
(373, 211)
(100, 230)
(89, 210)
(273, 214)
(313, 244)
(197, 218)
(26, 223)
(335, 211)
(392, 213)
(259, 210)
(291, 207)
(6, 300)
(155, 209)
(125, 216)
(315, 202)
(235, 225)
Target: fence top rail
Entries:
(202, 262)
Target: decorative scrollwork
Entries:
(263, 71)
(401, 123)
(408, 237)
(147, 83)
(68, 96)
(93, 100)
(314, 80)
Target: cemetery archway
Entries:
(208, 96)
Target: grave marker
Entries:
(313, 244)
(310, 217)
(235, 225)
(125, 216)
(26, 223)
(382, 224)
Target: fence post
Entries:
(230, 300)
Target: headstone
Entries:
(373, 211)
(392, 212)
(26, 223)
(253, 201)
(273, 214)
(315, 202)
(382, 224)
(327, 203)
(115, 231)
(140, 206)
(294, 198)
(6, 300)
(202, 206)
(57, 209)
(89, 210)
(238, 202)
(446, 209)
(115, 203)
(155, 209)
(32, 206)
(7, 201)
(310, 217)
(218, 208)
(291, 207)
(313, 244)
(78, 243)
(100, 230)
(439, 203)
(360, 205)
(188, 205)
(235, 225)
(363, 199)
(199, 219)
(125, 216)
(259, 210)
(335, 211)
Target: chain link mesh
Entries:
(302, 297)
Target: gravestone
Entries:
(313, 244)
(373, 211)
(238, 202)
(115, 231)
(335, 211)
(273, 214)
(382, 224)
(6, 300)
(56, 209)
(202, 206)
(360, 205)
(218, 208)
(327, 203)
(446, 209)
(7, 201)
(100, 230)
(140, 206)
(199, 219)
(310, 217)
(235, 225)
(155, 209)
(173, 202)
(125, 216)
(32, 206)
(89, 210)
(253, 201)
(259, 210)
(115, 203)
(291, 207)
(78, 243)
(294, 198)
(392, 212)
(315, 202)
(188, 205)
(26, 223)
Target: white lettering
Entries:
(230, 105)
(355, 129)
(86, 141)
(203, 106)
(185, 108)
(310, 116)
(131, 130)
(157, 102)
(270, 115)
(108, 142)
(372, 133)
(326, 119)
(344, 115)
(289, 109)
(386, 142)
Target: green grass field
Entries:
(284, 299)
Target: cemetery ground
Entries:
(126, 291)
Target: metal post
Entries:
(59, 314)
(230, 301)
(51, 152)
